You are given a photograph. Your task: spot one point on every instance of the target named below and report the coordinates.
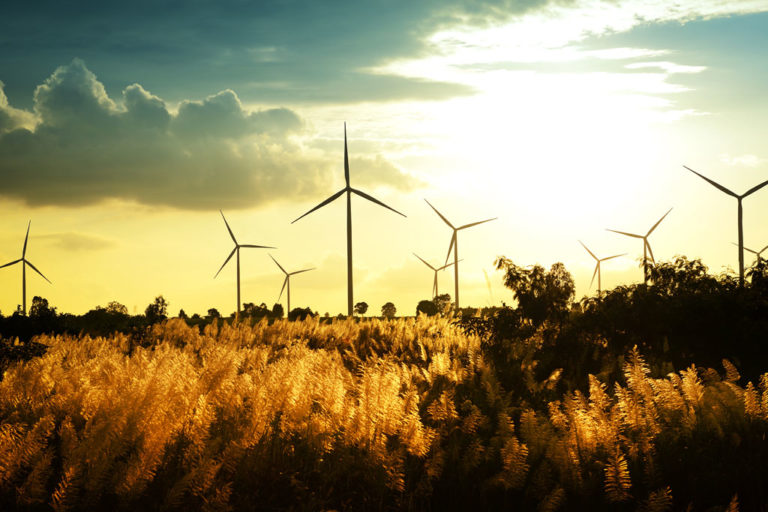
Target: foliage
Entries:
(360, 308)
(426, 307)
(157, 310)
(388, 310)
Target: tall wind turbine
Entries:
(287, 282)
(597, 267)
(349, 191)
(24, 262)
(455, 246)
(739, 198)
(237, 250)
(436, 270)
(646, 246)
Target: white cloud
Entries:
(747, 160)
(84, 147)
(667, 67)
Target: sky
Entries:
(123, 132)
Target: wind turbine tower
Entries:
(740, 214)
(287, 282)
(597, 267)
(236, 250)
(24, 262)
(646, 245)
(348, 190)
(455, 246)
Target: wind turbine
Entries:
(739, 198)
(597, 267)
(455, 246)
(436, 270)
(349, 191)
(646, 246)
(237, 250)
(24, 262)
(759, 253)
(287, 282)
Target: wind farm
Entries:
(387, 374)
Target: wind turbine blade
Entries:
(614, 256)
(626, 234)
(713, 183)
(440, 214)
(279, 265)
(35, 269)
(465, 226)
(761, 250)
(590, 252)
(754, 189)
(285, 281)
(258, 246)
(11, 263)
(424, 262)
(650, 252)
(594, 274)
(228, 228)
(449, 264)
(226, 261)
(24, 250)
(346, 158)
(453, 241)
(330, 199)
(300, 271)
(370, 198)
(747, 249)
(658, 222)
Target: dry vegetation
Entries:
(400, 414)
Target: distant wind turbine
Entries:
(24, 262)
(759, 253)
(349, 191)
(646, 245)
(436, 270)
(739, 198)
(597, 267)
(287, 281)
(455, 246)
(237, 250)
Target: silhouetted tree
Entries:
(388, 310)
(360, 308)
(300, 313)
(40, 309)
(115, 307)
(443, 303)
(157, 311)
(183, 314)
(278, 311)
(427, 307)
(213, 313)
(540, 295)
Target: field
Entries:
(414, 414)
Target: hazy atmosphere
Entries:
(123, 132)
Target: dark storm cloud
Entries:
(211, 154)
(278, 51)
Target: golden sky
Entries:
(561, 121)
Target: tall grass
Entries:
(401, 414)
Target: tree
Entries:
(278, 311)
(115, 308)
(360, 308)
(443, 303)
(388, 310)
(40, 309)
(213, 313)
(300, 313)
(183, 314)
(426, 307)
(540, 295)
(158, 310)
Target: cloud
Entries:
(71, 241)
(667, 67)
(86, 147)
(747, 160)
